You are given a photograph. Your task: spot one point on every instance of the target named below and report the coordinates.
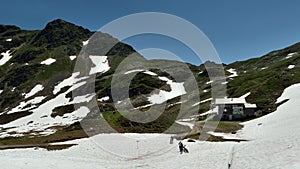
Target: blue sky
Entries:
(238, 29)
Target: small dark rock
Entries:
(190, 140)
(29, 122)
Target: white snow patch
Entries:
(76, 115)
(6, 57)
(290, 93)
(150, 73)
(141, 70)
(144, 106)
(8, 40)
(82, 99)
(103, 99)
(84, 43)
(34, 90)
(211, 111)
(177, 89)
(72, 57)
(185, 123)
(173, 104)
(48, 61)
(68, 82)
(101, 63)
(209, 82)
(264, 68)
(233, 73)
(291, 66)
(23, 104)
(291, 55)
(245, 95)
(188, 120)
(133, 71)
(202, 101)
(206, 100)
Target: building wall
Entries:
(232, 111)
(250, 112)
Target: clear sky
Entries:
(238, 29)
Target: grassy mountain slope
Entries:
(265, 77)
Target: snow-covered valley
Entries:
(273, 143)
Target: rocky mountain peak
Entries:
(60, 32)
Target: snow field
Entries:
(48, 61)
(101, 63)
(6, 57)
(34, 90)
(233, 73)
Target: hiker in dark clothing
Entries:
(180, 147)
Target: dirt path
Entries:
(46, 146)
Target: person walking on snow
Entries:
(180, 147)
